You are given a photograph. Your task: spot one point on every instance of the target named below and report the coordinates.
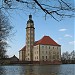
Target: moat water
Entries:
(64, 69)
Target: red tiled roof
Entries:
(46, 40)
(23, 49)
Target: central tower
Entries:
(30, 36)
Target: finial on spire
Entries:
(30, 16)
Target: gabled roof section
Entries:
(14, 57)
(46, 40)
(23, 49)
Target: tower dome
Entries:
(30, 19)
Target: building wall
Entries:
(22, 55)
(56, 53)
(46, 53)
(50, 53)
(29, 41)
(36, 53)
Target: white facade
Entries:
(36, 53)
(46, 53)
(20, 55)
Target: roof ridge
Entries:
(47, 40)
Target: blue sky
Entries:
(62, 32)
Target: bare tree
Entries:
(5, 30)
(53, 8)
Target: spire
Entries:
(30, 17)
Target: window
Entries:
(42, 46)
(53, 56)
(57, 56)
(28, 46)
(42, 51)
(28, 54)
(46, 52)
(46, 47)
(32, 31)
(37, 52)
(46, 57)
(49, 57)
(32, 39)
(32, 35)
(42, 57)
(53, 47)
(57, 52)
(49, 47)
(28, 58)
(37, 57)
(49, 52)
(28, 42)
(37, 47)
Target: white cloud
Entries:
(60, 38)
(72, 42)
(62, 30)
(67, 35)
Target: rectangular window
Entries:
(57, 56)
(37, 52)
(28, 58)
(49, 47)
(43, 52)
(46, 52)
(37, 57)
(49, 53)
(46, 57)
(32, 31)
(28, 54)
(53, 47)
(42, 57)
(37, 47)
(46, 47)
(42, 46)
(53, 56)
(28, 42)
(49, 57)
(32, 35)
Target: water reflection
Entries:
(38, 70)
(1, 70)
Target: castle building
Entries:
(45, 49)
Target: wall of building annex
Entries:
(36, 53)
